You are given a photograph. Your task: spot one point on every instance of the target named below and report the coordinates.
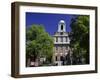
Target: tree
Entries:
(38, 43)
(80, 39)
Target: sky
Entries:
(48, 20)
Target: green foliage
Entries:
(80, 37)
(33, 32)
(38, 42)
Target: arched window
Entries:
(61, 26)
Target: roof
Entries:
(62, 21)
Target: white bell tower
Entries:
(62, 26)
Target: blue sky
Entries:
(50, 21)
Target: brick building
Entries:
(62, 51)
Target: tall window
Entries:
(56, 58)
(61, 58)
(61, 48)
(61, 26)
(61, 39)
(56, 39)
(66, 39)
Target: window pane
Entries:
(56, 39)
(61, 39)
(62, 27)
(66, 39)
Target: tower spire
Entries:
(61, 26)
